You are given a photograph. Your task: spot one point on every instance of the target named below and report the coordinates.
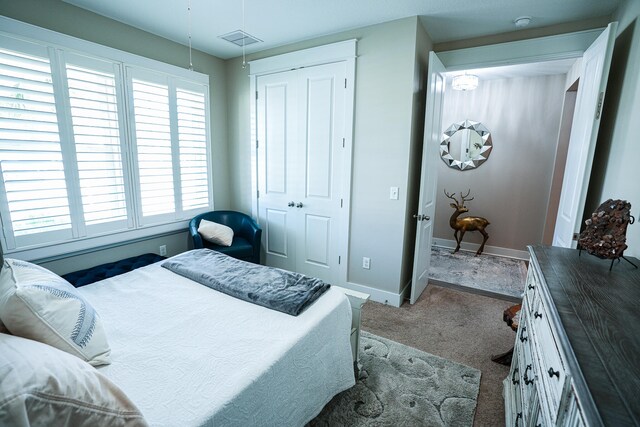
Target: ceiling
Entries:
(280, 22)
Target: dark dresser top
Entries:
(600, 315)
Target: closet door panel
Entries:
(277, 150)
(319, 137)
(317, 235)
(321, 103)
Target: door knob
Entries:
(299, 205)
(426, 217)
(291, 204)
(418, 217)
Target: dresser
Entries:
(576, 360)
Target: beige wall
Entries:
(388, 90)
(511, 189)
(73, 21)
(616, 173)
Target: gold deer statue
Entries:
(468, 223)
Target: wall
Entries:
(511, 189)
(384, 131)
(73, 21)
(615, 171)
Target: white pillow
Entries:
(38, 304)
(215, 233)
(41, 385)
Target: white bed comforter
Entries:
(190, 356)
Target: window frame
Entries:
(61, 47)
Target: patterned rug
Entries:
(489, 274)
(403, 386)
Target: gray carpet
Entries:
(486, 274)
(403, 386)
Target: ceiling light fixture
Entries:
(522, 21)
(465, 82)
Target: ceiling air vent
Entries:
(240, 38)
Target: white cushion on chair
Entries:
(215, 233)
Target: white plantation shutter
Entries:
(96, 148)
(153, 147)
(30, 152)
(192, 137)
(94, 112)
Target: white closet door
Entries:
(321, 124)
(277, 152)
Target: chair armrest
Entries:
(252, 232)
(197, 239)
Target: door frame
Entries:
(562, 46)
(344, 51)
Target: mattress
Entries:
(190, 356)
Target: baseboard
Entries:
(378, 295)
(490, 250)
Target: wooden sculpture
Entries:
(468, 223)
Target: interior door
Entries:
(321, 128)
(277, 150)
(429, 176)
(584, 132)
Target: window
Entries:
(91, 146)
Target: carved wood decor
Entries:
(606, 232)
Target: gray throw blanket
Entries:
(269, 287)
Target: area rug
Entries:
(402, 386)
(491, 275)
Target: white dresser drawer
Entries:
(550, 367)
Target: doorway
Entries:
(596, 49)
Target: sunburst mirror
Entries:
(466, 145)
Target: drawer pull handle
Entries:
(552, 373)
(513, 377)
(530, 287)
(527, 381)
(522, 337)
(536, 315)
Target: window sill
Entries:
(56, 251)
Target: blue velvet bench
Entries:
(104, 271)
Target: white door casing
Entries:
(428, 177)
(301, 130)
(584, 132)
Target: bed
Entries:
(191, 356)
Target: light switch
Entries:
(393, 193)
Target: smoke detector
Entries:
(522, 21)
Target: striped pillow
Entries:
(40, 305)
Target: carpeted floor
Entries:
(489, 275)
(460, 326)
(401, 386)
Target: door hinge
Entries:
(342, 142)
(341, 202)
(256, 143)
(338, 259)
(256, 94)
(599, 107)
(257, 194)
(575, 237)
(345, 83)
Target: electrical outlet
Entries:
(163, 250)
(366, 262)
